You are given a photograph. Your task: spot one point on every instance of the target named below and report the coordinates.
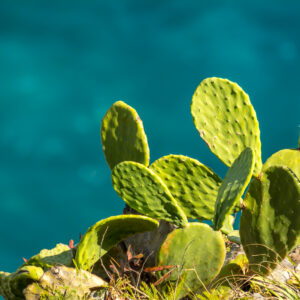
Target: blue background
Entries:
(63, 64)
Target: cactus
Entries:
(270, 223)
(197, 251)
(123, 136)
(145, 192)
(193, 185)
(61, 254)
(105, 234)
(227, 226)
(233, 186)
(226, 120)
(12, 285)
(286, 157)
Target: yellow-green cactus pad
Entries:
(193, 185)
(227, 226)
(144, 191)
(231, 272)
(286, 157)
(270, 223)
(226, 120)
(197, 251)
(123, 136)
(105, 234)
(12, 285)
(61, 254)
(233, 186)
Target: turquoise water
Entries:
(63, 63)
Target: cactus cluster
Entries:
(176, 188)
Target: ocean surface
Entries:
(64, 63)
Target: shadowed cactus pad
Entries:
(286, 157)
(270, 223)
(226, 120)
(193, 185)
(198, 252)
(233, 186)
(105, 234)
(61, 255)
(145, 192)
(123, 136)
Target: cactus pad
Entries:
(123, 136)
(198, 252)
(270, 223)
(105, 234)
(233, 186)
(61, 254)
(145, 192)
(226, 120)
(286, 157)
(193, 185)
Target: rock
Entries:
(64, 281)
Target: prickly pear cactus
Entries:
(286, 157)
(227, 226)
(145, 192)
(61, 254)
(233, 186)
(226, 120)
(12, 285)
(197, 252)
(193, 185)
(270, 223)
(123, 136)
(106, 233)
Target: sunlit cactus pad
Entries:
(233, 186)
(123, 136)
(286, 157)
(270, 223)
(193, 185)
(105, 234)
(198, 252)
(226, 120)
(61, 255)
(145, 192)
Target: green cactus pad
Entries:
(233, 186)
(226, 120)
(105, 234)
(227, 226)
(61, 254)
(198, 252)
(286, 157)
(145, 192)
(270, 223)
(230, 272)
(12, 285)
(193, 185)
(123, 136)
